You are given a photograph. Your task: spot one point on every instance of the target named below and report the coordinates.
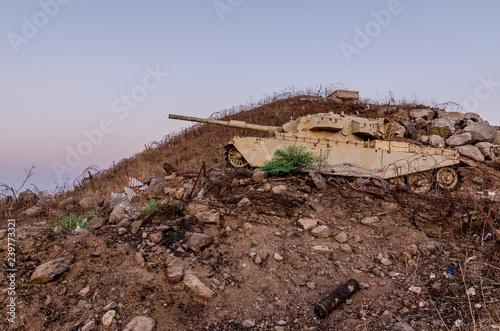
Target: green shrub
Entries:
(152, 205)
(71, 221)
(290, 160)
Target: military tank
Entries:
(349, 146)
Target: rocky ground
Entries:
(257, 253)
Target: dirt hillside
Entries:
(244, 250)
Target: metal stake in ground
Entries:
(336, 298)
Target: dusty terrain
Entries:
(424, 261)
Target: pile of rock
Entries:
(472, 136)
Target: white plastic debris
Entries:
(471, 291)
(478, 305)
(458, 323)
(415, 289)
(432, 276)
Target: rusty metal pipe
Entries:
(336, 298)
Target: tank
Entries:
(350, 146)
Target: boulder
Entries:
(481, 131)
(420, 123)
(487, 150)
(471, 152)
(122, 211)
(140, 323)
(436, 141)
(454, 115)
(50, 270)
(89, 203)
(459, 139)
(27, 198)
(426, 114)
(69, 204)
(157, 187)
(473, 117)
(411, 130)
(496, 140)
(46, 203)
(443, 127)
(424, 139)
(401, 130)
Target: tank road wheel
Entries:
(420, 182)
(447, 178)
(235, 159)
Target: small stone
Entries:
(415, 289)
(259, 176)
(341, 237)
(370, 220)
(89, 326)
(109, 306)
(244, 202)
(316, 206)
(248, 323)
(320, 249)
(412, 249)
(279, 190)
(156, 237)
(385, 261)
(402, 326)
(122, 231)
(278, 257)
(198, 240)
(199, 290)
(50, 270)
(318, 180)
(281, 322)
(311, 285)
(140, 259)
(209, 217)
(258, 259)
(141, 323)
(84, 291)
(107, 319)
(175, 273)
(346, 248)
(81, 304)
(307, 223)
(322, 231)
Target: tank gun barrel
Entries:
(232, 123)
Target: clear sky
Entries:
(91, 82)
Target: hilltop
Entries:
(243, 250)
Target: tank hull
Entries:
(376, 158)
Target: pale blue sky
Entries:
(70, 73)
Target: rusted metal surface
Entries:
(336, 298)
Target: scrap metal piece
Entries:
(336, 298)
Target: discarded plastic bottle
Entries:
(336, 298)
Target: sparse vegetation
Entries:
(152, 205)
(71, 221)
(289, 160)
